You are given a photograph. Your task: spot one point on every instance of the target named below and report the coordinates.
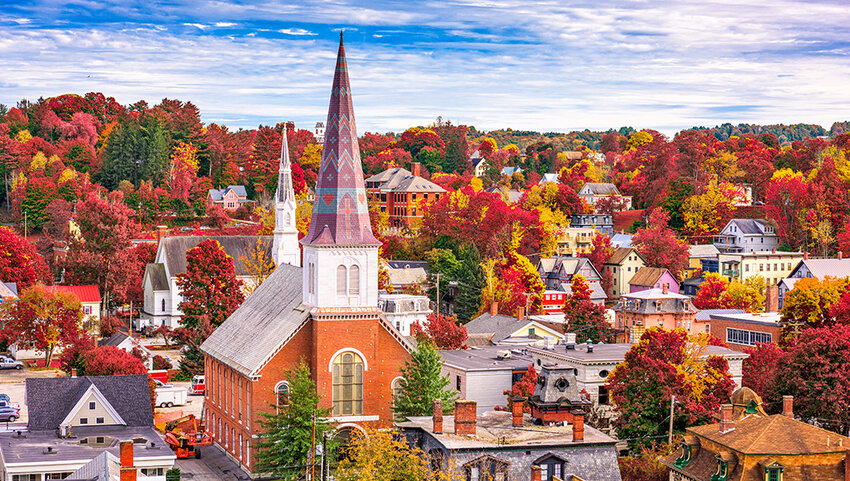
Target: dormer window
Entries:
(773, 471)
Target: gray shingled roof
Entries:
(215, 194)
(600, 188)
(264, 322)
(389, 174)
(238, 189)
(821, 268)
(750, 226)
(156, 273)
(236, 246)
(416, 184)
(112, 340)
(703, 250)
(489, 324)
(50, 399)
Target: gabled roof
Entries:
(549, 178)
(51, 399)
(488, 324)
(596, 290)
(599, 188)
(156, 273)
(395, 172)
(113, 340)
(406, 276)
(647, 276)
(620, 255)
(750, 226)
(172, 250)
(86, 294)
(703, 250)
(412, 183)
(821, 268)
(239, 190)
(274, 309)
(776, 434)
(12, 286)
(215, 194)
(6, 293)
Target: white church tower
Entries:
(340, 252)
(285, 248)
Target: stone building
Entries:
(324, 312)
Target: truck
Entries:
(167, 397)
(7, 362)
(185, 436)
(198, 385)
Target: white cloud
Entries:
(199, 26)
(224, 24)
(296, 31)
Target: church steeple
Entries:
(285, 249)
(340, 251)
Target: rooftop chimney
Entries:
(438, 417)
(840, 255)
(665, 287)
(788, 406)
(466, 412)
(536, 473)
(520, 313)
(74, 372)
(416, 169)
(578, 425)
(128, 470)
(806, 255)
(726, 422)
(771, 298)
(516, 411)
(494, 308)
(160, 231)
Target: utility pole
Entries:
(312, 465)
(670, 432)
(439, 274)
(323, 472)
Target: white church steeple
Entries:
(285, 248)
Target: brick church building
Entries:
(320, 307)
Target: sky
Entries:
(546, 66)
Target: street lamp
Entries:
(136, 172)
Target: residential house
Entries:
(484, 373)
(89, 296)
(594, 362)
(623, 265)
(691, 286)
(621, 240)
(323, 311)
(699, 252)
(403, 194)
(511, 196)
(548, 178)
(319, 132)
(501, 329)
(127, 343)
(559, 270)
(772, 266)
(159, 282)
(7, 293)
(510, 171)
(576, 240)
(603, 223)
(741, 330)
(408, 278)
(813, 268)
(402, 310)
(73, 420)
(746, 235)
(750, 445)
(653, 278)
(638, 311)
(502, 446)
(592, 192)
(231, 197)
(479, 164)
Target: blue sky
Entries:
(548, 66)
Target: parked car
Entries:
(160, 384)
(9, 413)
(7, 362)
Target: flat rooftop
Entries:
(30, 447)
(495, 430)
(769, 318)
(615, 352)
(485, 358)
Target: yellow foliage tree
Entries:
(382, 456)
(23, 136)
(311, 157)
(638, 139)
(258, 266)
(808, 303)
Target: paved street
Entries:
(213, 465)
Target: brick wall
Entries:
(719, 326)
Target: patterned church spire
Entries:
(340, 211)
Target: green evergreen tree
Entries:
(423, 384)
(285, 442)
(136, 151)
(470, 280)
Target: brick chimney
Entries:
(726, 422)
(665, 287)
(494, 308)
(517, 403)
(788, 406)
(520, 313)
(536, 473)
(438, 417)
(466, 412)
(416, 169)
(74, 372)
(806, 255)
(840, 255)
(578, 426)
(128, 470)
(161, 231)
(771, 298)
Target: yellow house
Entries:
(622, 265)
(576, 240)
(773, 266)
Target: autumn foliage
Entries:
(444, 331)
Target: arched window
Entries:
(397, 385)
(348, 385)
(341, 284)
(354, 281)
(281, 391)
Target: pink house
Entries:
(653, 278)
(641, 310)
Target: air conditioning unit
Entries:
(506, 354)
(64, 430)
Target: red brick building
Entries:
(323, 310)
(743, 330)
(402, 194)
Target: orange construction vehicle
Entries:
(185, 435)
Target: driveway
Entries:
(12, 382)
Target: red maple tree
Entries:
(43, 319)
(19, 262)
(444, 331)
(659, 246)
